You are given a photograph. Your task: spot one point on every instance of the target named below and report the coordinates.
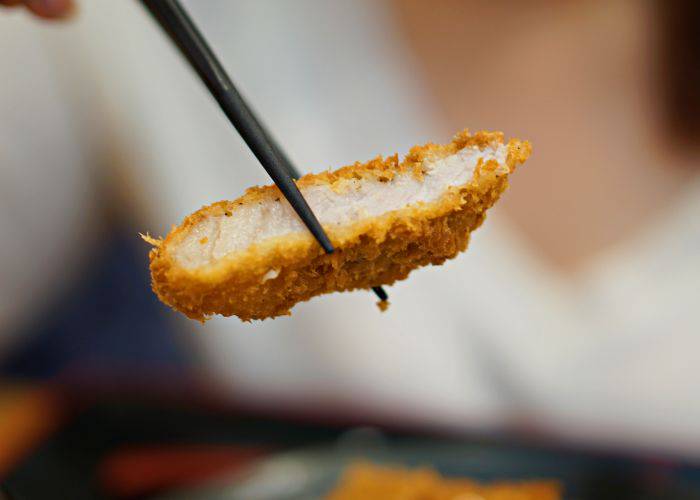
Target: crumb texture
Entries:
(253, 258)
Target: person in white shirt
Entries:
(575, 307)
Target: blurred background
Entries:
(565, 343)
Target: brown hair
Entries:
(680, 66)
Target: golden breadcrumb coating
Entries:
(370, 252)
(372, 482)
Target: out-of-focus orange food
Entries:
(372, 482)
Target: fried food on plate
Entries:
(254, 258)
(371, 482)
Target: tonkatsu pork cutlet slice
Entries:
(253, 257)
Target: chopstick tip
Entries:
(326, 244)
(381, 293)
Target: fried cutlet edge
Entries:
(371, 252)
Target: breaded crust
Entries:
(371, 252)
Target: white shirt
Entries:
(484, 342)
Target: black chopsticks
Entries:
(294, 172)
(176, 22)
